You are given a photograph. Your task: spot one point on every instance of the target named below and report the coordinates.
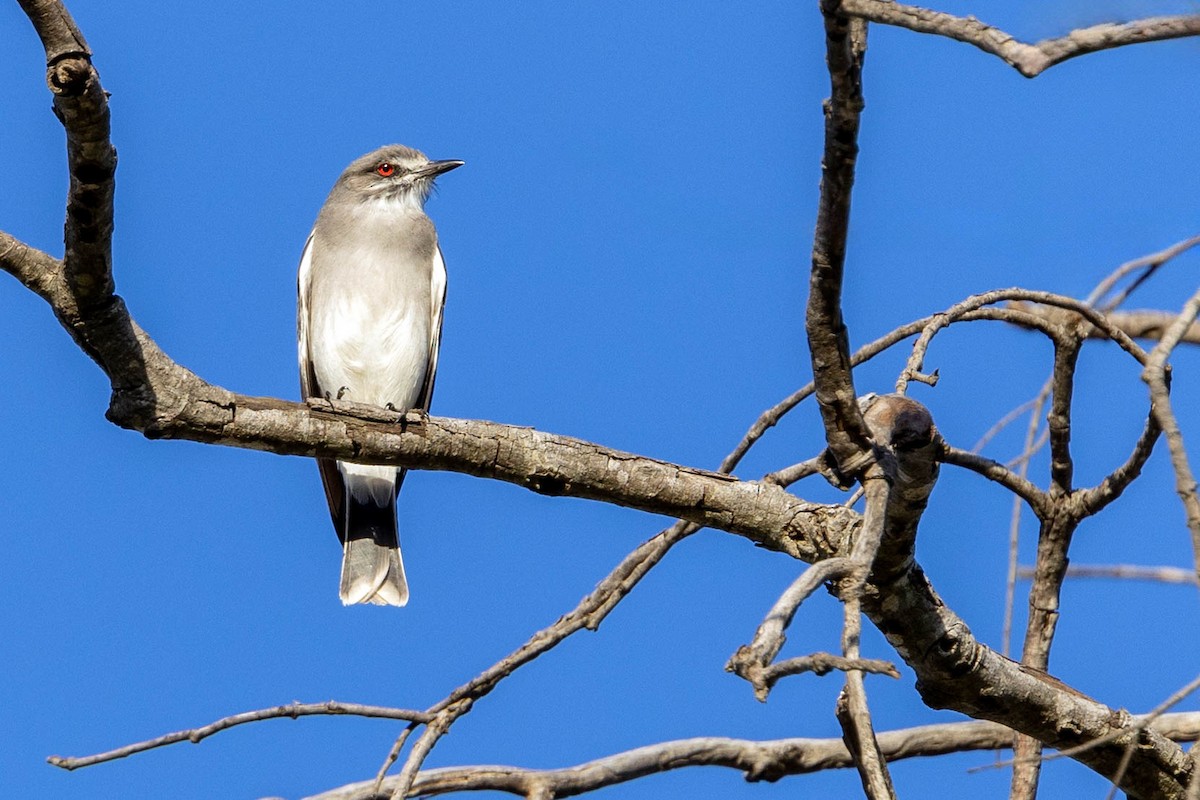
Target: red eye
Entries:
(385, 169)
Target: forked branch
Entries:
(1030, 60)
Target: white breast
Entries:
(370, 328)
(375, 358)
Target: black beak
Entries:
(435, 168)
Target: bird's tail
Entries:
(372, 571)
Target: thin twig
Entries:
(853, 712)
(392, 755)
(824, 663)
(958, 311)
(1003, 423)
(785, 477)
(1166, 705)
(857, 732)
(1090, 501)
(1130, 572)
(1015, 482)
(429, 737)
(1148, 263)
(1043, 436)
(1155, 376)
(1014, 523)
(752, 661)
(590, 612)
(194, 735)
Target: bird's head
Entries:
(394, 173)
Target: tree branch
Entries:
(1029, 59)
(195, 735)
(82, 106)
(997, 472)
(955, 671)
(1140, 324)
(1156, 376)
(828, 343)
(1147, 264)
(1054, 540)
(758, 760)
(1131, 572)
(154, 395)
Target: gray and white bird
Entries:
(372, 286)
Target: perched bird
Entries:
(369, 320)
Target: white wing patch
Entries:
(437, 284)
(303, 321)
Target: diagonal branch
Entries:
(1093, 500)
(1146, 266)
(1029, 59)
(993, 470)
(955, 671)
(588, 614)
(1157, 377)
(82, 106)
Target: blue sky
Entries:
(628, 252)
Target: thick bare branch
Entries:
(1062, 388)
(156, 396)
(82, 105)
(828, 343)
(1029, 59)
(765, 760)
(955, 671)
(544, 463)
(60, 36)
